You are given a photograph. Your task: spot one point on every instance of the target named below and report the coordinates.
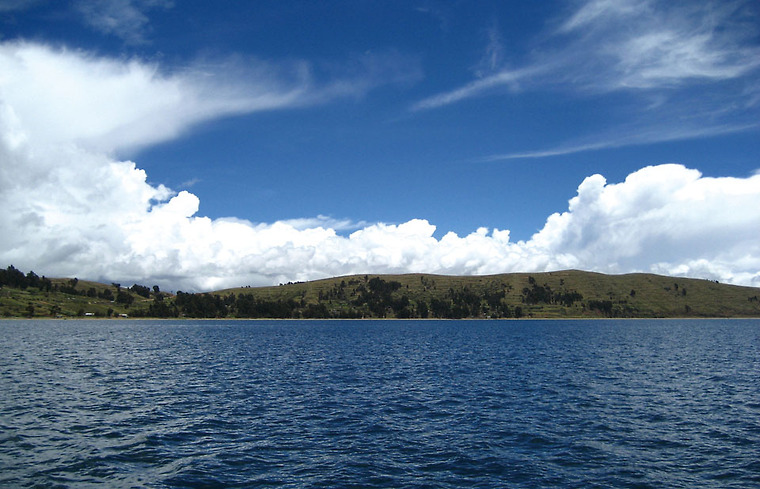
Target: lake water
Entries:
(389, 404)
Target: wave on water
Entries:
(380, 404)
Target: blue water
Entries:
(426, 404)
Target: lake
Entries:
(383, 404)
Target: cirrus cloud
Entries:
(123, 18)
(690, 69)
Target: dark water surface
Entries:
(380, 404)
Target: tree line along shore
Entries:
(562, 294)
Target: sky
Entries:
(202, 145)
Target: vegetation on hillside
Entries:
(28, 295)
(566, 294)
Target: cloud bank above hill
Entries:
(71, 209)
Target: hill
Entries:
(561, 294)
(564, 294)
(28, 295)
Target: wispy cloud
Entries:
(593, 11)
(493, 57)
(362, 73)
(112, 104)
(115, 105)
(651, 45)
(126, 19)
(699, 61)
(478, 87)
(630, 44)
(17, 5)
(636, 137)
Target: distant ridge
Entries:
(561, 294)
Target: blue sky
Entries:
(396, 119)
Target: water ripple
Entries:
(445, 404)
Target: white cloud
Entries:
(649, 45)
(698, 61)
(478, 87)
(109, 104)
(71, 209)
(62, 96)
(493, 57)
(635, 136)
(630, 44)
(123, 18)
(593, 11)
(664, 218)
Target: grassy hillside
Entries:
(566, 294)
(70, 298)
(550, 295)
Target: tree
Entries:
(422, 309)
(70, 287)
(440, 308)
(32, 280)
(162, 310)
(141, 290)
(124, 298)
(13, 277)
(45, 284)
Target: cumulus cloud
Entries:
(70, 208)
(666, 219)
